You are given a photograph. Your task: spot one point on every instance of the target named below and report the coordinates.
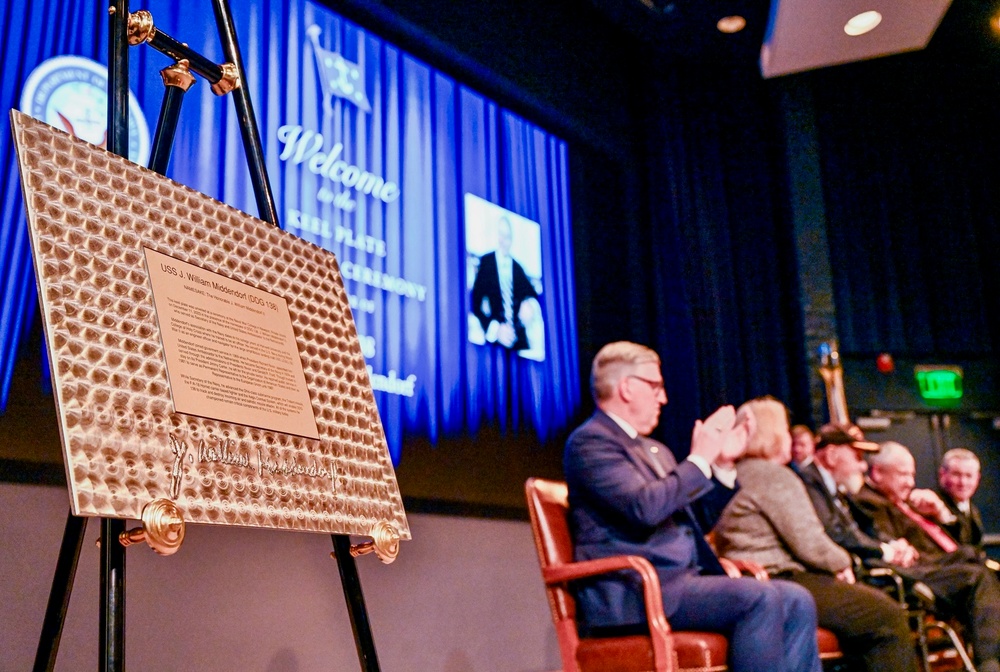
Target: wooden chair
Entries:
(662, 650)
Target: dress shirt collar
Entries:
(831, 485)
(965, 507)
(627, 428)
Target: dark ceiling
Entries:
(686, 29)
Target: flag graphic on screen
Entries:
(339, 76)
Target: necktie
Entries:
(506, 273)
(846, 517)
(939, 536)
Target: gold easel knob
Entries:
(230, 80)
(178, 75)
(384, 543)
(162, 528)
(140, 27)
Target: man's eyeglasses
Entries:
(656, 385)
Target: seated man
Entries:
(803, 447)
(955, 574)
(629, 496)
(958, 479)
(837, 472)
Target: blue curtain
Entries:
(910, 170)
(411, 125)
(708, 271)
(26, 31)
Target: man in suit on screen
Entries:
(628, 495)
(502, 293)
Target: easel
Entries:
(127, 29)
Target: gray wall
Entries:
(463, 595)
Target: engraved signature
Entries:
(286, 467)
(179, 449)
(226, 452)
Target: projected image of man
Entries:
(503, 298)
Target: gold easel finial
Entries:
(384, 543)
(162, 528)
(832, 373)
(140, 27)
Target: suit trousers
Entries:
(871, 627)
(771, 625)
(971, 593)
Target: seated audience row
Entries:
(628, 495)
(771, 521)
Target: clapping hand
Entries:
(737, 439)
(710, 438)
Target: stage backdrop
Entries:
(418, 184)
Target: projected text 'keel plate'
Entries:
(288, 438)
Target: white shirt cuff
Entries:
(701, 463)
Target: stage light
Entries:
(862, 23)
(731, 24)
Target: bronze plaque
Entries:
(198, 354)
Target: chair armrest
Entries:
(738, 568)
(886, 576)
(651, 591)
(582, 569)
(908, 592)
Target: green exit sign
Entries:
(939, 383)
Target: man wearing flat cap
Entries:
(837, 472)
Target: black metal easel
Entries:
(227, 78)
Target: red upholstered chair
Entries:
(662, 650)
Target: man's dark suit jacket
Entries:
(631, 497)
(892, 523)
(843, 522)
(968, 528)
(487, 286)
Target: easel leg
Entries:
(355, 603)
(112, 644)
(111, 649)
(62, 588)
(245, 115)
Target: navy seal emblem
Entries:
(71, 94)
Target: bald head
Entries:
(893, 471)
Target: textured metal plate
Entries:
(90, 214)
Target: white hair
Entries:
(958, 455)
(888, 454)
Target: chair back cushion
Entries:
(548, 506)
